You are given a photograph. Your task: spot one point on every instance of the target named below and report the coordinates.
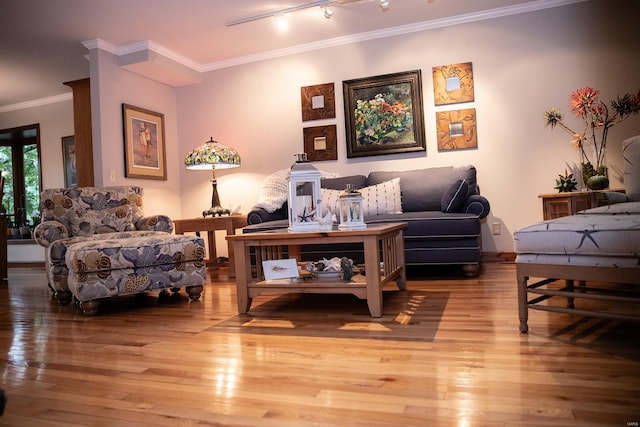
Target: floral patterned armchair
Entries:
(100, 244)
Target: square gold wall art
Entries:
(321, 143)
(456, 129)
(318, 102)
(453, 83)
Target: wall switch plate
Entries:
(112, 176)
(496, 228)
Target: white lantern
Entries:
(304, 196)
(351, 210)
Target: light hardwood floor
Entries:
(458, 360)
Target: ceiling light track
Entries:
(326, 4)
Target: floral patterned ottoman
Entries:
(121, 266)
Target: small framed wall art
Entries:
(321, 143)
(453, 83)
(456, 129)
(144, 145)
(318, 102)
(383, 114)
(69, 160)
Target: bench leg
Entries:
(522, 302)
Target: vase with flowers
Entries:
(598, 118)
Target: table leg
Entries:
(231, 229)
(243, 268)
(213, 255)
(372, 274)
(401, 280)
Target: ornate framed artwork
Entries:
(318, 102)
(456, 129)
(384, 115)
(453, 83)
(69, 161)
(144, 145)
(321, 143)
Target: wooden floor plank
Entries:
(445, 352)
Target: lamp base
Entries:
(216, 211)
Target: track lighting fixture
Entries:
(326, 4)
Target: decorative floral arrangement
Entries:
(598, 119)
(377, 117)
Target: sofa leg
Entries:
(91, 307)
(63, 297)
(471, 270)
(194, 292)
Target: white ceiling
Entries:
(41, 40)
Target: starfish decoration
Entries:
(587, 234)
(306, 216)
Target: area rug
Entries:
(407, 316)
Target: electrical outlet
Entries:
(496, 228)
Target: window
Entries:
(20, 166)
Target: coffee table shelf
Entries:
(381, 243)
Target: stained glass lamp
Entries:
(213, 155)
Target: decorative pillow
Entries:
(380, 199)
(89, 222)
(453, 199)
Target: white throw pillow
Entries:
(380, 199)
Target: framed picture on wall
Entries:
(456, 129)
(384, 115)
(69, 161)
(453, 83)
(144, 145)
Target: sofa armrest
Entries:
(260, 215)
(477, 205)
(48, 232)
(155, 223)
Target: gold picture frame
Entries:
(456, 129)
(144, 143)
(453, 84)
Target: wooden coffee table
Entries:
(383, 246)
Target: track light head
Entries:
(384, 4)
(328, 12)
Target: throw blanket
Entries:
(275, 190)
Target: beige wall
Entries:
(56, 121)
(522, 65)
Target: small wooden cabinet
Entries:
(556, 205)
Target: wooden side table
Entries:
(210, 224)
(556, 205)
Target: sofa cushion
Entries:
(422, 189)
(89, 222)
(453, 199)
(380, 199)
(357, 181)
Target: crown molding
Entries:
(148, 45)
(37, 102)
(531, 6)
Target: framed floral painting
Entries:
(384, 115)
